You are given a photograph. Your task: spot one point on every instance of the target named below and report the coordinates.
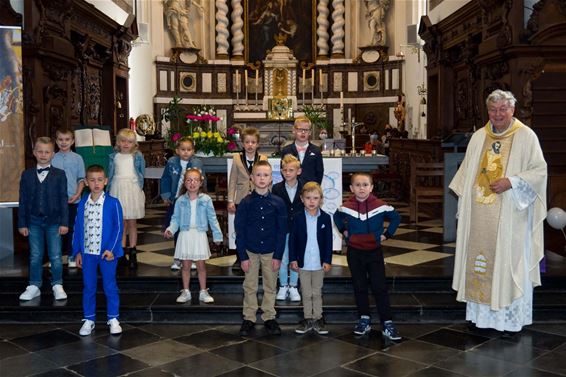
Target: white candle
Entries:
(304, 77)
(246, 78)
(257, 78)
(341, 100)
(350, 115)
(312, 78)
(237, 81)
(320, 79)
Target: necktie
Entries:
(250, 164)
(41, 170)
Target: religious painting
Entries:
(11, 113)
(294, 18)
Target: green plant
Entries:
(317, 116)
(173, 114)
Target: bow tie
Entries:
(41, 170)
(301, 149)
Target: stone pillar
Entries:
(322, 30)
(237, 33)
(222, 32)
(338, 23)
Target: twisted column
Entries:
(322, 30)
(338, 23)
(221, 28)
(237, 26)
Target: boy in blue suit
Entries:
(310, 253)
(43, 216)
(306, 152)
(97, 243)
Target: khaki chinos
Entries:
(251, 282)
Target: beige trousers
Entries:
(311, 289)
(251, 281)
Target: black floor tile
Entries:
(76, 352)
(374, 340)
(61, 372)
(454, 339)
(128, 339)
(421, 352)
(469, 328)
(422, 236)
(162, 352)
(173, 330)
(551, 328)
(201, 365)
(530, 372)
(554, 361)
(248, 351)
(8, 349)
(146, 238)
(518, 353)
(474, 365)
(289, 341)
(210, 339)
(311, 360)
(538, 339)
(413, 331)
(11, 331)
(25, 365)
(384, 365)
(340, 372)
(45, 340)
(112, 365)
(246, 372)
(152, 372)
(434, 372)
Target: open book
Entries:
(90, 137)
(93, 144)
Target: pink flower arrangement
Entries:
(203, 118)
(176, 137)
(232, 146)
(231, 131)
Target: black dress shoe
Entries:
(272, 327)
(123, 260)
(247, 326)
(133, 260)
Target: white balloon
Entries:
(556, 218)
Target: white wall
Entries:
(110, 9)
(445, 9)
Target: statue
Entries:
(399, 113)
(177, 14)
(375, 13)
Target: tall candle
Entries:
(350, 115)
(237, 81)
(246, 77)
(320, 80)
(341, 100)
(312, 78)
(304, 77)
(257, 78)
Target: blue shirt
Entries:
(74, 167)
(312, 251)
(261, 225)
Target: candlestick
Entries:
(256, 79)
(304, 78)
(312, 85)
(342, 100)
(246, 78)
(321, 81)
(237, 86)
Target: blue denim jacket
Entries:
(205, 216)
(171, 174)
(139, 165)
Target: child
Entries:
(261, 222)
(361, 220)
(239, 184)
(43, 216)
(192, 215)
(308, 154)
(74, 167)
(172, 179)
(310, 249)
(97, 244)
(289, 190)
(125, 174)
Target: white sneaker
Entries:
(294, 294)
(59, 292)
(115, 327)
(31, 292)
(87, 327)
(72, 263)
(193, 266)
(185, 296)
(176, 266)
(205, 297)
(282, 293)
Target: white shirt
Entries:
(291, 191)
(301, 153)
(93, 225)
(312, 251)
(41, 176)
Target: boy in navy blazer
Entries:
(310, 253)
(308, 154)
(43, 216)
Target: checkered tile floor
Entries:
(416, 250)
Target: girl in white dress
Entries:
(126, 169)
(192, 216)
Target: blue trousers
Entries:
(286, 275)
(91, 263)
(39, 233)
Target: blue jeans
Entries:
(38, 234)
(285, 271)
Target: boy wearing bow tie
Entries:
(97, 244)
(43, 217)
(308, 154)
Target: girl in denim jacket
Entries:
(192, 216)
(126, 169)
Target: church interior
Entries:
(394, 89)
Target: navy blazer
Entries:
(57, 209)
(312, 165)
(293, 208)
(298, 238)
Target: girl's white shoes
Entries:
(185, 296)
(205, 297)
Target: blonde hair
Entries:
(183, 189)
(250, 131)
(302, 119)
(44, 140)
(261, 163)
(312, 187)
(126, 133)
(289, 159)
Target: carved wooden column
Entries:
(338, 24)
(221, 28)
(237, 33)
(322, 29)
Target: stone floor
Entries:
(207, 350)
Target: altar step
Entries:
(147, 300)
